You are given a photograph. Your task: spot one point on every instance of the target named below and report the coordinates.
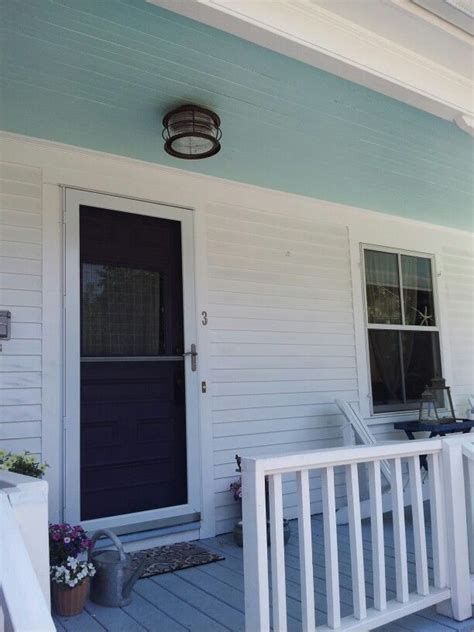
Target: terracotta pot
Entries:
(68, 602)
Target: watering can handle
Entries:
(107, 534)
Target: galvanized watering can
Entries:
(115, 575)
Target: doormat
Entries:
(175, 557)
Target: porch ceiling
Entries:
(102, 74)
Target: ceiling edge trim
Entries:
(339, 47)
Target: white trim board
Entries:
(102, 172)
(315, 35)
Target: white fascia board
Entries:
(305, 31)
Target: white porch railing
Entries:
(24, 555)
(448, 531)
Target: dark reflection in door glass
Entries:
(122, 310)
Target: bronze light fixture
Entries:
(192, 132)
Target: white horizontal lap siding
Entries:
(281, 341)
(458, 274)
(21, 293)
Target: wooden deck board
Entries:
(210, 598)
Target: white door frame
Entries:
(74, 198)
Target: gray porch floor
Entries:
(210, 598)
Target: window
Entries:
(403, 334)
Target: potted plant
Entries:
(25, 464)
(70, 585)
(236, 489)
(69, 575)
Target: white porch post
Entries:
(28, 498)
(24, 554)
(456, 529)
(468, 452)
(254, 525)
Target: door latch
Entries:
(193, 353)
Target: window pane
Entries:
(399, 375)
(421, 359)
(383, 287)
(418, 301)
(385, 370)
(121, 311)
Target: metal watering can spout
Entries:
(127, 589)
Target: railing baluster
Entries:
(399, 536)
(356, 545)
(306, 552)
(330, 547)
(257, 603)
(438, 522)
(421, 556)
(277, 547)
(376, 524)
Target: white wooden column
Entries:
(456, 526)
(254, 523)
(468, 453)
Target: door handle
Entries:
(193, 353)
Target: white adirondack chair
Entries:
(356, 426)
(470, 410)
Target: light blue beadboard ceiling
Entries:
(101, 74)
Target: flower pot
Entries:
(238, 535)
(69, 602)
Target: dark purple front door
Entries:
(133, 424)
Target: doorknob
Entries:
(193, 353)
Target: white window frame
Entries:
(397, 327)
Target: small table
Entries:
(435, 429)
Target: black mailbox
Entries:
(5, 320)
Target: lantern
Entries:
(428, 410)
(192, 132)
(443, 397)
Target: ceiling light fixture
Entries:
(192, 132)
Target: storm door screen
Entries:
(133, 427)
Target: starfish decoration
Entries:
(424, 316)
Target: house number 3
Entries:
(204, 318)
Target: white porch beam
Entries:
(306, 31)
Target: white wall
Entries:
(21, 293)
(282, 338)
(279, 277)
(459, 280)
